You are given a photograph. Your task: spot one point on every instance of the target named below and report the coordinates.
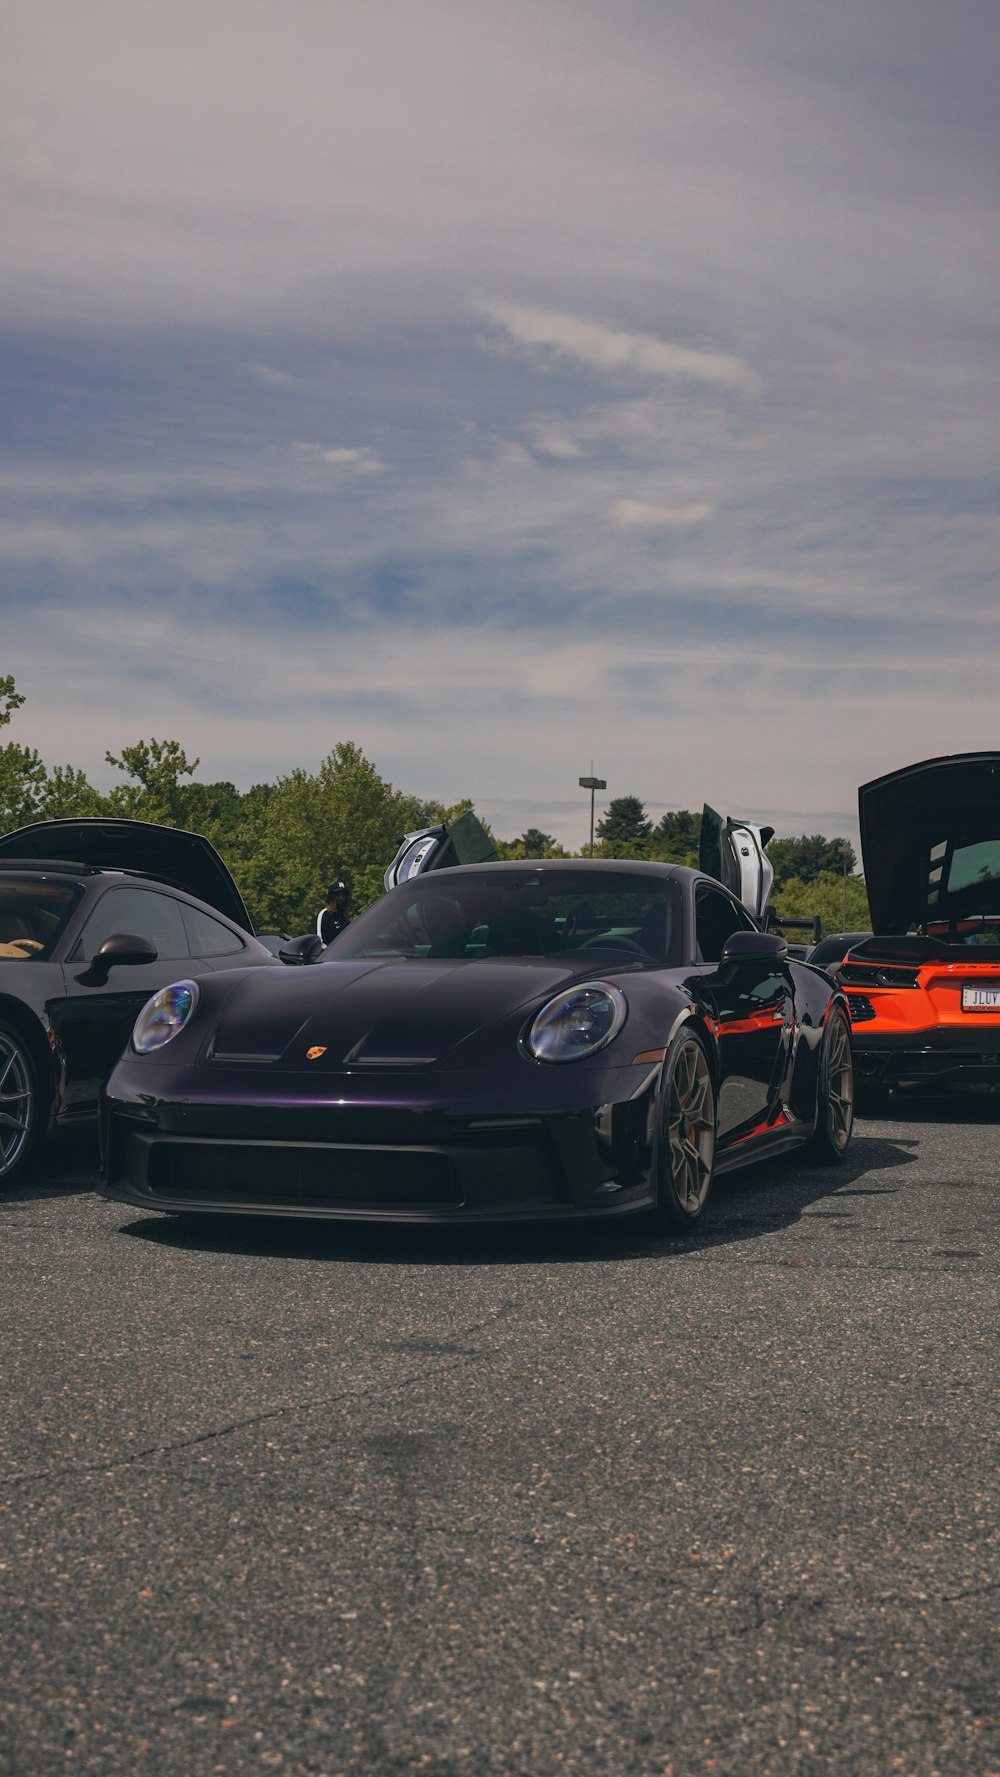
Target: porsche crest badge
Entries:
(314, 1053)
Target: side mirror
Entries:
(120, 948)
(754, 947)
(307, 949)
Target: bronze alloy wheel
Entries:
(834, 1093)
(686, 1154)
(17, 1104)
(840, 1084)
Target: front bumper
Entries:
(384, 1160)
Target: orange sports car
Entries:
(924, 988)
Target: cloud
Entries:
(359, 458)
(615, 352)
(636, 514)
(720, 473)
(495, 719)
(266, 373)
(552, 441)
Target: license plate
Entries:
(981, 999)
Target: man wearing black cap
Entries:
(333, 917)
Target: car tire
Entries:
(20, 1106)
(684, 1159)
(834, 1093)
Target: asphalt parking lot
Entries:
(307, 1499)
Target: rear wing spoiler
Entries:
(912, 950)
(464, 841)
(777, 922)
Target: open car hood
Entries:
(184, 860)
(918, 830)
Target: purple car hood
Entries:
(383, 1013)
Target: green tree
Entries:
(28, 791)
(675, 837)
(68, 795)
(823, 894)
(156, 794)
(10, 699)
(22, 774)
(624, 828)
(23, 780)
(809, 856)
(344, 818)
(535, 844)
(530, 845)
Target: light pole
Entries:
(843, 858)
(592, 784)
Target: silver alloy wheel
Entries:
(690, 1129)
(840, 1085)
(17, 1103)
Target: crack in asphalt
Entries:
(273, 1414)
(969, 1592)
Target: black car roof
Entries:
(62, 867)
(549, 866)
(187, 861)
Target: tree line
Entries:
(284, 841)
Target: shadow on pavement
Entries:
(66, 1166)
(745, 1206)
(950, 1104)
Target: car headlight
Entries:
(577, 1023)
(164, 1016)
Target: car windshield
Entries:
(32, 914)
(482, 913)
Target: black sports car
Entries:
(508, 1040)
(94, 916)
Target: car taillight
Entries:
(876, 975)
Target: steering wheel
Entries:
(617, 941)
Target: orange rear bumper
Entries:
(935, 1028)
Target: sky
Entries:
(505, 387)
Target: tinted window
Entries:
(141, 912)
(974, 863)
(208, 936)
(32, 914)
(716, 919)
(614, 917)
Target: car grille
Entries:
(287, 1175)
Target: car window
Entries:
(32, 914)
(619, 917)
(208, 936)
(716, 918)
(144, 913)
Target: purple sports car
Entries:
(533, 1040)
